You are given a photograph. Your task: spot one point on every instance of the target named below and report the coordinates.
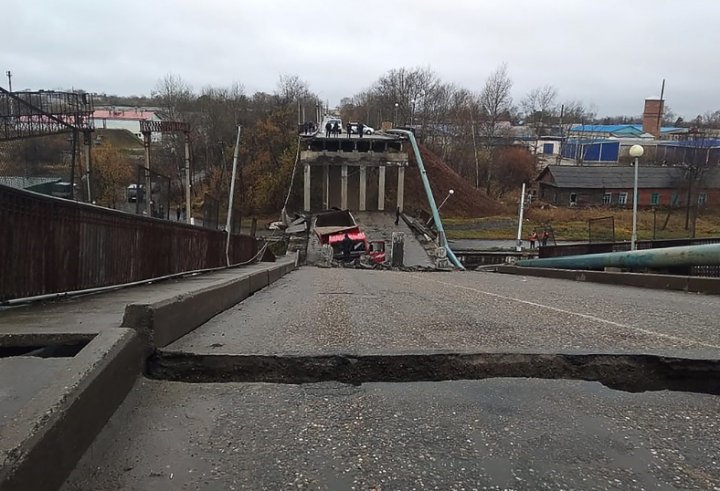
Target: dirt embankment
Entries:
(467, 200)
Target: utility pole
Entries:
(562, 143)
(87, 140)
(188, 181)
(9, 76)
(477, 163)
(518, 244)
(228, 223)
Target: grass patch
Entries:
(572, 224)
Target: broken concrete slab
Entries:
(46, 423)
(49, 422)
(634, 373)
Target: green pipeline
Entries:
(706, 254)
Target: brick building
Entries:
(613, 186)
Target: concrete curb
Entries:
(46, 438)
(696, 284)
(162, 322)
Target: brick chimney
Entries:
(652, 116)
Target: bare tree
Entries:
(291, 88)
(173, 95)
(540, 107)
(495, 102)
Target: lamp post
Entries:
(397, 105)
(636, 151)
(450, 193)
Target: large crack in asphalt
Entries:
(626, 372)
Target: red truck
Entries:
(331, 227)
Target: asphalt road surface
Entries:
(478, 434)
(328, 311)
(514, 434)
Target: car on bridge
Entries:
(367, 130)
(332, 120)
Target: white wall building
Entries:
(125, 118)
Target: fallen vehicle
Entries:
(331, 227)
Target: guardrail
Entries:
(51, 245)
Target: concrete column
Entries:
(326, 187)
(344, 187)
(381, 188)
(401, 188)
(363, 188)
(306, 191)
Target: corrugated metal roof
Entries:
(599, 177)
(617, 128)
(20, 182)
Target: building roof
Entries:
(620, 177)
(620, 129)
(20, 182)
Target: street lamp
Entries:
(636, 151)
(397, 105)
(450, 193)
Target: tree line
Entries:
(470, 129)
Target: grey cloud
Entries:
(611, 54)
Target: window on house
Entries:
(675, 199)
(607, 198)
(702, 199)
(573, 199)
(622, 198)
(655, 199)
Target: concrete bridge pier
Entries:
(306, 189)
(362, 205)
(381, 188)
(401, 188)
(349, 179)
(344, 187)
(326, 187)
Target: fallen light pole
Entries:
(665, 257)
(450, 193)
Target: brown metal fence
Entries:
(51, 245)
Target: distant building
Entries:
(587, 131)
(125, 118)
(613, 186)
(53, 186)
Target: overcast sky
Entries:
(609, 53)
